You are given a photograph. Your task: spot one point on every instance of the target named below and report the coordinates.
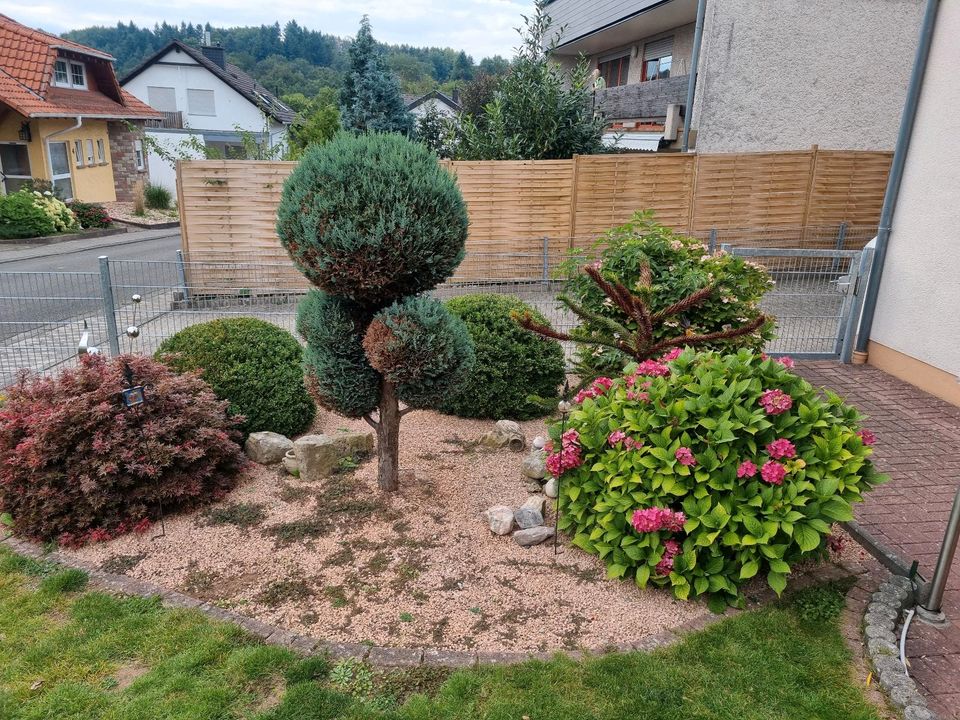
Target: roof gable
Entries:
(413, 101)
(238, 80)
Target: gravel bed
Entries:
(419, 568)
(123, 211)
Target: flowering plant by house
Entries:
(721, 468)
(31, 213)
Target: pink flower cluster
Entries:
(776, 402)
(685, 456)
(867, 437)
(746, 469)
(569, 456)
(787, 362)
(641, 396)
(619, 436)
(781, 448)
(599, 387)
(773, 472)
(658, 518)
(671, 355)
(671, 548)
(652, 368)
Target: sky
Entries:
(481, 27)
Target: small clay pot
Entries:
(291, 464)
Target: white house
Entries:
(419, 105)
(205, 101)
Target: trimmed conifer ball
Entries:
(372, 218)
(422, 347)
(338, 374)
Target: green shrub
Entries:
(701, 472)
(821, 603)
(680, 266)
(253, 364)
(512, 364)
(28, 214)
(156, 197)
(90, 215)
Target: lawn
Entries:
(70, 653)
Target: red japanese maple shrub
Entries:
(76, 465)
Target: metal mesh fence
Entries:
(42, 315)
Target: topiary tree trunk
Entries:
(373, 221)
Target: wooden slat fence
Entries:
(227, 207)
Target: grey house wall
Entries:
(788, 74)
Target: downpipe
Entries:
(692, 81)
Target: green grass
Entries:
(72, 654)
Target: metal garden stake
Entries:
(564, 409)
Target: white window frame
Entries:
(78, 153)
(138, 155)
(63, 74)
(101, 152)
(191, 103)
(90, 157)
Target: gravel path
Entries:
(417, 568)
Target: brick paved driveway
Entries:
(919, 447)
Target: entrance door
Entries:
(14, 166)
(60, 169)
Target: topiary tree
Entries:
(374, 221)
(253, 364)
(512, 364)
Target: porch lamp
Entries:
(24, 133)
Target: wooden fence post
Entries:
(814, 152)
(574, 174)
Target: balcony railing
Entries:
(642, 100)
(172, 119)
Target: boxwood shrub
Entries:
(701, 471)
(679, 265)
(511, 364)
(253, 364)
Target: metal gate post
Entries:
(850, 310)
(109, 309)
(546, 261)
(841, 240)
(932, 609)
(183, 276)
(712, 243)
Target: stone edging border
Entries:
(387, 657)
(883, 615)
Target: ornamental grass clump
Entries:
(76, 465)
(699, 471)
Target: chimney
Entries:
(213, 52)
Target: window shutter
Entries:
(200, 102)
(658, 48)
(162, 98)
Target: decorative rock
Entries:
(267, 448)
(879, 648)
(536, 502)
(879, 620)
(539, 442)
(353, 443)
(533, 536)
(317, 455)
(500, 518)
(290, 463)
(506, 433)
(551, 489)
(535, 465)
(889, 666)
(527, 517)
(905, 694)
(534, 487)
(918, 712)
(881, 610)
(878, 631)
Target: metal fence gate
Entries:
(43, 315)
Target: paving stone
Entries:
(501, 658)
(281, 637)
(450, 658)
(304, 644)
(395, 657)
(918, 712)
(344, 651)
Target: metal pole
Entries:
(932, 611)
(546, 261)
(109, 310)
(692, 81)
(850, 309)
(841, 240)
(713, 240)
(183, 276)
(896, 171)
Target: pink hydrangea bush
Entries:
(727, 467)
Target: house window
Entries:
(14, 167)
(657, 59)
(78, 153)
(200, 102)
(101, 152)
(614, 71)
(89, 152)
(138, 154)
(69, 74)
(162, 98)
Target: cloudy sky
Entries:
(481, 27)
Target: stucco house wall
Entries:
(790, 74)
(916, 330)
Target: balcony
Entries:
(642, 100)
(595, 26)
(172, 119)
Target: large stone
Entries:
(500, 518)
(267, 448)
(506, 433)
(353, 443)
(527, 517)
(536, 502)
(317, 456)
(533, 536)
(551, 489)
(535, 465)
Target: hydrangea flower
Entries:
(776, 402)
(569, 456)
(685, 456)
(616, 437)
(598, 388)
(641, 396)
(773, 472)
(781, 448)
(671, 355)
(652, 368)
(787, 362)
(632, 444)
(671, 548)
(657, 518)
(746, 469)
(867, 437)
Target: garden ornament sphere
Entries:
(137, 298)
(133, 331)
(539, 443)
(564, 407)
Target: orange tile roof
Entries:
(26, 68)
